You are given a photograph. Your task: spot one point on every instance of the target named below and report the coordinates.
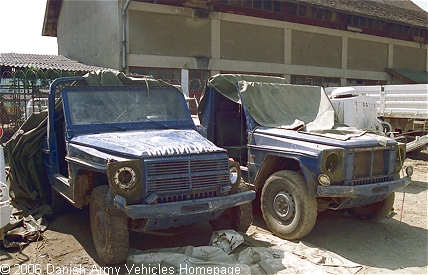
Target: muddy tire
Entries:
(110, 234)
(238, 218)
(287, 208)
(375, 211)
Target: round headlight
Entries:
(125, 178)
(332, 163)
(233, 175)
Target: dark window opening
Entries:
(277, 6)
(363, 22)
(302, 10)
(356, 21)
(267, 5)
(293, 9)
(257, 5)
(315, 81)
(364, 82)
(348, 19)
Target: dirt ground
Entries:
(396, 245)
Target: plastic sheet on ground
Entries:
(259, 253)
(227, 240)
(25, 228)
(330, 261)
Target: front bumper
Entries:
(182, 208)
(368, 190)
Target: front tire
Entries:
(375, 211)
(238, 218)
(287, 208)
(110, 234)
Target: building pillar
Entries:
(343, 80)
(287, 46)
(344, 53)
(287, 52)
(185, 81)
(390, 56)
(215, 41)
(215, 38)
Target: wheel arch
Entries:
(85, 181)
(272, 164)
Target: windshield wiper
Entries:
(157, 122)
(109, 124)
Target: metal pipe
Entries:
(125, 7)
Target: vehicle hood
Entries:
(346, 137)
(148, 143)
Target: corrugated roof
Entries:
(404, 11)
(47, 62)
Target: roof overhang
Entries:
(410, 77)
(44, 62)
(50, 21)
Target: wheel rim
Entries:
(284, 206)
(100, 233)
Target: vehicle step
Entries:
(61, 179)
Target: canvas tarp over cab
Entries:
(273, 103)
(29, 186)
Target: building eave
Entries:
(50, 22)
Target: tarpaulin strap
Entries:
(147, 85)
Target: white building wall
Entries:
(90, 32)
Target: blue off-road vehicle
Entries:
(294, 154)
(133, 154)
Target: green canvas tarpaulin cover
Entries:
(273, 103)
(29, 186)
(226, 84)
(301, 106)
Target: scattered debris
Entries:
(227, 240)
(283, 257)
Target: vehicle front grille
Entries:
(371, 181)
(191, 177)
(370, 165)
(193, 196)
